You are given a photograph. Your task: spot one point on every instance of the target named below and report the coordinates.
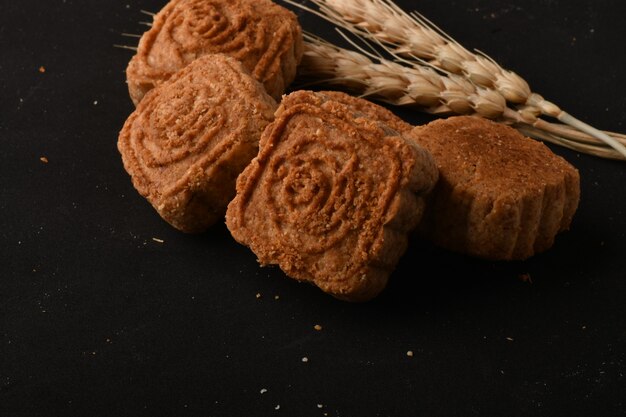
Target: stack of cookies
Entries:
(325, 185)
(204, 80)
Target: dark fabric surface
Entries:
(99, 319)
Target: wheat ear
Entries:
(368, 75)
(388, 81)
(416, 39)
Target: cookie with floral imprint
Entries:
(331, 196)
(265, 37)
(191, 136)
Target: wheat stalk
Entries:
(411, 38)
(388, 81)
(372, 76)
(585, 147)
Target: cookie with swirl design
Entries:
(500, 195)
(331, 196)
(190, 137)
(264, 36)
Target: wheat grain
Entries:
(396, 84)
(413, 36)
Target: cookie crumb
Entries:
(409, 353)
(157, 240)
(44, 159)
(42, 69)
(317, 327)
(526, 278)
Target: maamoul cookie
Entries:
(191, 136)
(264, 36)
(500, 195)
(331, 196)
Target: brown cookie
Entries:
(331, 197)
(191, 136)
(264, 36)
(500, 195)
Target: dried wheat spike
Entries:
(371, 76)
(396, 84)
(416, 39)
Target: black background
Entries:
(97, 318)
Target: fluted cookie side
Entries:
(331, 197)
(500, 195)
(190, 137)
